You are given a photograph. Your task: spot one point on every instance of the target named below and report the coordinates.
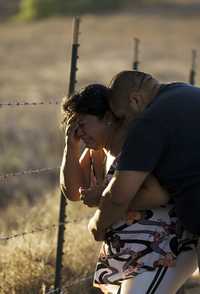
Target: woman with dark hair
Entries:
(142, 253)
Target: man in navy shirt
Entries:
(163, 139)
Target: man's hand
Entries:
(91, 197)
(99, 235)
(115, 200)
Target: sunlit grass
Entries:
(28, 262)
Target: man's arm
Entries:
(151, 195)
(115, 201)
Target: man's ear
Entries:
(108, 119)
(136, 102)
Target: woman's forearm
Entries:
(71, 175)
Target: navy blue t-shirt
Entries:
(165, 140)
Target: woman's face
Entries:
(93, 131)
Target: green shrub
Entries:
(27, 10)
(34, 9)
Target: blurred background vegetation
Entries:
(37, 9)
(32, 9)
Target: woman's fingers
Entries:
(73, 118)
(72, 122)
(90, 197)
(71, 131)
(81, 192)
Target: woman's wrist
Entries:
(73, 150)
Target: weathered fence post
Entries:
(193, 68)
(136, 54)
(63, 202)
(74, 56)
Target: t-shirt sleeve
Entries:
(145, 145)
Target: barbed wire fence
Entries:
(71, 284)
(27, 103)
(41, 229)
(60, 226)
(4, 177)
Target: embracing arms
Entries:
(126, 190)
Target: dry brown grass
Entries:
(34, 62)
(35, 56)
(28, 263)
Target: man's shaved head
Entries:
(131, 80)
(127, 82)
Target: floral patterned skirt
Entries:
(142, 242)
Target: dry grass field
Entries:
(34, 59)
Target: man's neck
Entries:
(114, 146)
(151, 95)
(147, 98)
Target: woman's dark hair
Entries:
(93, 100)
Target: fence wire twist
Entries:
(32, 232)
(41, 229)
(70, 284)
(26, 103)
(4, 177)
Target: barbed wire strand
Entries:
(37, 171)
(70, 284)
(32, 232)
(42, 229)
(48, 228)
(27, 172)
(77, 281)
(25, 103)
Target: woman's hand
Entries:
(71, 133)
(97, 234)
(91, 196)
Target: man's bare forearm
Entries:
(110, 211)
(106, 215)
(115, 201)
(144, 199)
(150, 195)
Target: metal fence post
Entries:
(63, 202)
(136, 54)
(193, 68)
